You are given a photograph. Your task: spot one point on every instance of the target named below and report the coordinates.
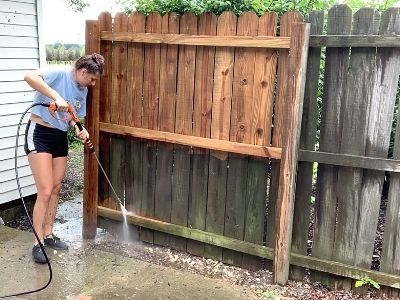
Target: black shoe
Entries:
(38, 255)
(55, 243)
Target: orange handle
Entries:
(74, 116)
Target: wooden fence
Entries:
(197, 123)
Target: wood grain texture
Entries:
(207, 25)
(221, 110)
(168, 71)
(302, 206)
(286, 22)
(291, 134)
(335, 88)
(90, 192)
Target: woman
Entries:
(46, 138)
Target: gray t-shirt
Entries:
(62, 81)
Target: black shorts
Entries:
(39, 138)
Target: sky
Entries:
(62, 24)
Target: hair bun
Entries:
(99, 59)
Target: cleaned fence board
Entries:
(242, 100)
(390, 62)
(260, 134)
(335, 87)
(194, 141)
(207, 25)
(221, 109)
(117, 115)
(307, 141)
(105, 23)
(193, 40)
(133, 116)
(286, 22)
(151, 91)
(163, 193)
(291, 135)
(90, 193)
(183, 125)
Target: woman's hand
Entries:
(81, 134)
(61, 104)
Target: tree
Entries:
(78, 5)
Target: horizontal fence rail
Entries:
(354, 41)
(198, 40)
(193, 141)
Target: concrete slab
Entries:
(86, 272)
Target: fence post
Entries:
(90, 191)
(291, 133)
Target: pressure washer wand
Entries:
(53, 107)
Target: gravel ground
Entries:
(260, 281)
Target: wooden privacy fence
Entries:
(183, 120)
(197, 121)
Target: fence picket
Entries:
(105, 23)
(279, 113)
(335, 87)
(183, 125)
(207, 25)
(221, 109)
(242, 100)
(389, 61)
(307, 141)
(353, 140)
(163, 193)
(133, 170)
(117, 115)
(260, 134)
(151, 85)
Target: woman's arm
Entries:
(35, 80)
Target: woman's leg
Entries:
(42, 170)
(59, 165)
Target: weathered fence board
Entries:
(389, 61)
(353, 141)
(307, 141)
(335, 81)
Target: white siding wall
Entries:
(20, 51)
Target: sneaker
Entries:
(55, 243)
(38, 255)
